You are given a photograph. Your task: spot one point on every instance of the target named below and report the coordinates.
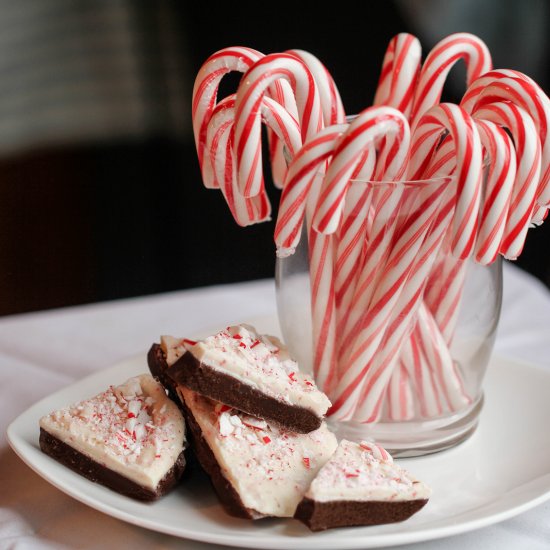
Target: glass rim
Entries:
(405, 182)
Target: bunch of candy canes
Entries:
(386, 277)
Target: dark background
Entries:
(103, 219)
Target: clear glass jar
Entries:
(438, 329)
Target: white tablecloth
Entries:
(42, 352)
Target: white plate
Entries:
(504, 469)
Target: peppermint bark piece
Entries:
(129, 438)
(361, 485)
(257, 468)
(253, 373)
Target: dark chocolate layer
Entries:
(229, 497)
(158, 367)
(224, 388)
(92, 470)
(319, 516)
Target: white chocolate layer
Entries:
(365, 473)
(133, 429)
(174, 348)
(269, 468)
(263, 362)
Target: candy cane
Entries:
(304, 172)
(253, 86)
(331, 102)
(372, 124)
(297, 190)
(323, 271)
(443, 292)
(405, 253)
(523, 92)
(539, 215)
(365, 336)
(400, 69)
(205, 91)
(399, 396)
(439, 62)
(369, 125)
(409, 264)
(461, 127)
(220, 146)
(502, 165)
(385, 205)
(351, 237)
(361, 133)
(415, 363)
(450, 383)
(525, 186)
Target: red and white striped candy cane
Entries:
(205, 91)
(371, 124)
(539, 215)
(427, 392)
(399, 74)
(468, 173)
(450, 384)
(399, 396)
(502, 166)
(281, 91)
(331, 102)
(524, 192)
(219, 141)
(253, 86)
(219, 144)
(351, 237)
(439, 62)
(384, 207)
(410, 262)
(302, 181)
(407, 252)
(445, 283)
(297, 189)
(461, 127)
(525, 93)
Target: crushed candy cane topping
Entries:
(270, 468)
(261, 361)
(130, 428)
(365, 471)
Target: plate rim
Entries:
(23, 447)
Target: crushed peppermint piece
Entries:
(253, 422)
(226, 428)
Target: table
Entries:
(44, 351)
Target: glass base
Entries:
(414, 438)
